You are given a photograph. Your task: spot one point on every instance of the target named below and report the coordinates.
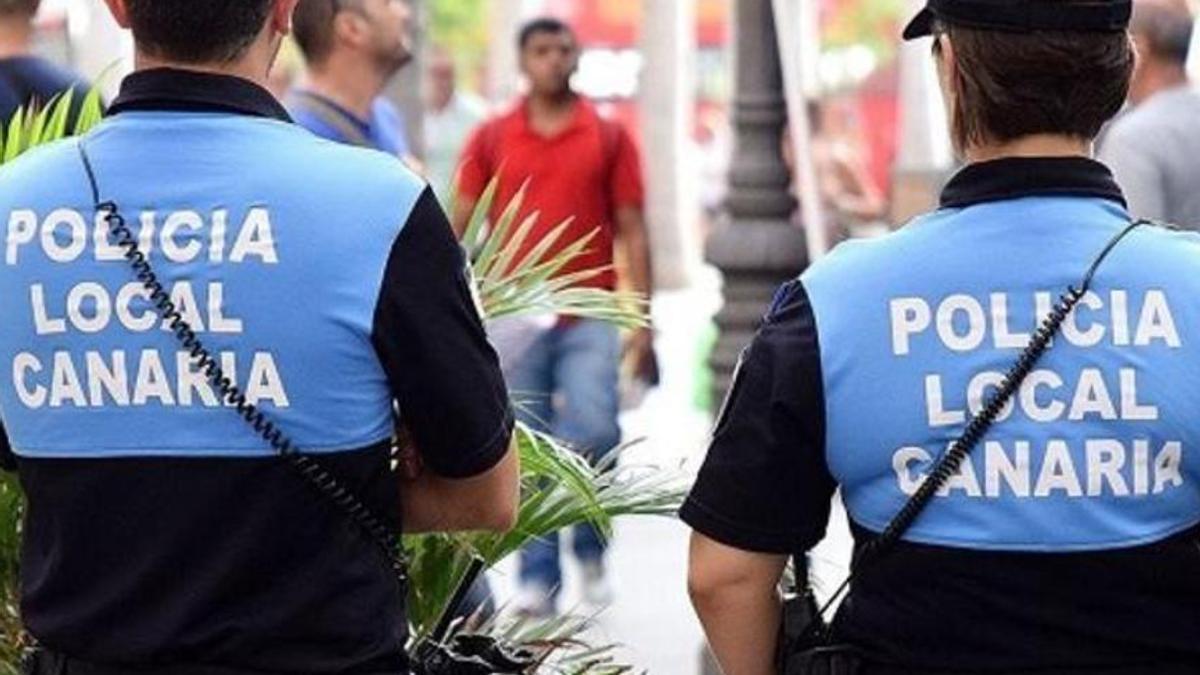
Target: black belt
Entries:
(49, 663)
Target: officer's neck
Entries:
(251, 67)
(1037, 145)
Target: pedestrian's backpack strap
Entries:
(329, 114)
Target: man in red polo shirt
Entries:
(579, 166)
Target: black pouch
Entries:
(804, 640)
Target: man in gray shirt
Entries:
(1154, 149)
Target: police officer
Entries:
(1067, 539)
(163, 533)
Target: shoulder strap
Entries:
(331, 115)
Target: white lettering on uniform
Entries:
(1105, 459)
(1156, 322)
(1108, 469)
(997, 465)
(76, 235)
(256, 238)
(977, 394)
(909, 316)
(217, 321)
(125, 297)
(976, 323)
(152, 380)
(42, 323)
(1120, 318)
(181, 220)
(901, 461)
(22, 228)
(216, 247)
(1130, 408)
(192, 381)
(1004, 339)
(1092, 397)
(1167, 465)
(102, 307)
(938, 415)
(102, 379)
(106, 250)
(64, 383)
(1070, 327)
(264, 382)
(24, 364)
(1029, 400)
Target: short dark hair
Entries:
(23, 8)
(197, 31)
(1165, 31)
(542, 26)
(1012, 85)
(312, 26)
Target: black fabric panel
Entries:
(765, 486)
(931, 608)
(431, 341)
(179, 90)
(8, 460)
(226, 562)
(1018, 177)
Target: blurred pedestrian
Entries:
(1003, 392)
(1154, 149)
(24, 77)
(451, 114)
(583, 168)
(353, 48)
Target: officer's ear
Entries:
(352, 28)
(281, 16)
(119, 11)
(947, 64)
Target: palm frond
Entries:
(558, 490)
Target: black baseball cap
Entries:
(1024, 16)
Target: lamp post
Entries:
(757, 248)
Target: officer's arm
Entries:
(447, 381)
(8, 460)
(735, 595)
(764, 491)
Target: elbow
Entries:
(708, 586)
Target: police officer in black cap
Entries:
(1003, 391)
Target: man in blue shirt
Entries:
(163, 534)
(353, 48)
(25, 78)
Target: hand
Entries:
(408, 461)
(639, 350)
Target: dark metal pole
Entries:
(757, 248)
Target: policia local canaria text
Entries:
(1102, 466)
(94, 378)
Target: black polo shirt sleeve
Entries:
(765, 486)
(431, 341)
(8, 460)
